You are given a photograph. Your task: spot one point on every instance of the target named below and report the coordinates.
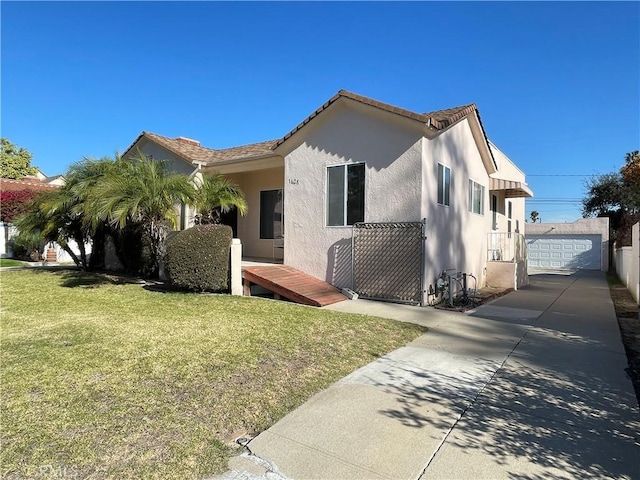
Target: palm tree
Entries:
(81, 179)
(52, 217)
(142, 191)
(65, 214)
(535, 216)
(214, 195)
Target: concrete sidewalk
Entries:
(530, 386)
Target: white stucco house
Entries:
(356, 159)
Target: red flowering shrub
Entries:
(14, 203)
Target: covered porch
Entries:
(261, 230)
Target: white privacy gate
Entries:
(568, 251)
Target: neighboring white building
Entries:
(356, 159)
(579, 245)
(38, 182)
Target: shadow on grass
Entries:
(71, 277)
(162, 287)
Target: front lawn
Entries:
(9, 262)
(104, 378)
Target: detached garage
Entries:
(583, 244)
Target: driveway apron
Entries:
(530, 386)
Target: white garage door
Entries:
(564, 251)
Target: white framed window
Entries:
(345, 194)
(444, 185)
(509, 216)
(476, 197)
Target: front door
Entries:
(230, 218)
(494, 247)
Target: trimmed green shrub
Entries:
(197, 259)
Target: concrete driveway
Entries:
(530, 386)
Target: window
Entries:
(509, 216)
(345, 195)
(444, 184)
(476, 198)
(270, 213)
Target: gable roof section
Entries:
(191, 151)
(437, 120)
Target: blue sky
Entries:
(557, 84)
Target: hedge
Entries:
(15, 202)
(197, 259)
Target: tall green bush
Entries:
(133, 249)
(197, 259)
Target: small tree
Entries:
(616, 196)
(51, 216)
(15, 162)
(630, 171)
(142, 191)
(82, 179)
(534, 216)
(214, 195)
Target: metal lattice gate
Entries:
(388, 261)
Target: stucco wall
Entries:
(251, 184)
(507, 170)
(583, 226)
(64, 257)
(456, 238)
(348, 134)
(507, 274)
(174, 163)
(627, 262)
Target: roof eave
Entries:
(231, 161)
(491, 167)
(168, 148)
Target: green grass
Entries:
(102, 378)
(8, 262)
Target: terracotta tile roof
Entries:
(191, 151)
(244, 151)
(438, 120)
(441, 119)
(10, 185)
